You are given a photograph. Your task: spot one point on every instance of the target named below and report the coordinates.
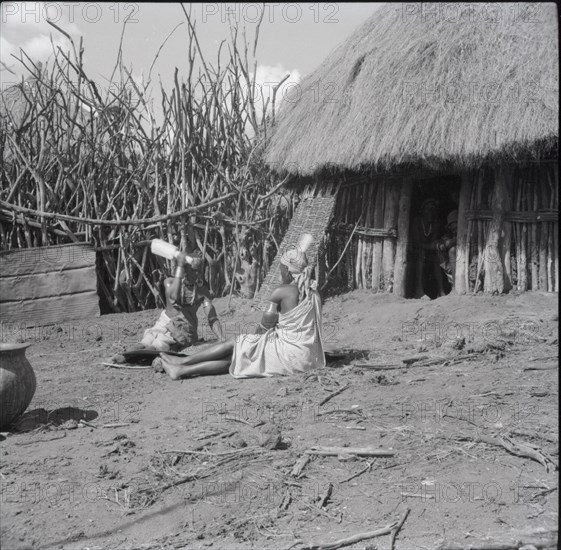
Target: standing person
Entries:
(288, 340)
(426, 231)
(185, 293)
(447, 247)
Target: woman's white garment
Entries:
(159, 337)
(293, 345)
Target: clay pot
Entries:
(17, 382)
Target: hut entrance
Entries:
(433, 200)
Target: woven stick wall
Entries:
(312, 216)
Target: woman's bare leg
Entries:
(176, 372)
(222, 350)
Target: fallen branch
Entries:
(398, 528)
(44, 440)
(417, 495)
(353, 409)
(326, 495)
(537, 435)
(451, 360)
(367, 469)
(206, 453)
(411, 360)
(234, 419)
(130, 367)
(286, 500)
(421, 363)
(300, 465)
(379, 366)
(542, 367)
(332, 395)
(517, 449)
(354, 539)
(116, 425)
(241, 420)
(362, 428)
(490, 545)
(207, 436)
(212, 438)
(317, 510)
(358, 451)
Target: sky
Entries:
(294, 37)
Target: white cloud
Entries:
(24, 26)
(268, 77)
(40, 48)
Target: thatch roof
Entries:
(434, 84)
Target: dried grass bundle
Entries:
(426, 82)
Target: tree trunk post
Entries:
(403, 217)
(390, 222)
(494, 247)
(461, 282)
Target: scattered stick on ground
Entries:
(420, 363)
(353, 409)
(490, 545)
(411, 360)
(398, 528)
(300, 465)
(354, 539)
(326, 495)
(212, 438)
(332, 395)
(518, 449)
(417, 495)
(286, 499)
(542, 367)
(379, 366)
(208, 453)
(234, 419)
(359, 451)
(116, 425)
(362, 428)
(130, 367)
(367, 469)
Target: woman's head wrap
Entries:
(295, 258)
(296, 262)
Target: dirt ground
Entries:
(471, 418)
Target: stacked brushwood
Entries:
(82, 164)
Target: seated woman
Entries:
(288, 340)
(177, 325)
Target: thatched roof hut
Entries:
(415, 83)
(454, 101)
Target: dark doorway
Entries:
(445, 192)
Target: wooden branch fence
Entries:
(83, 165)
